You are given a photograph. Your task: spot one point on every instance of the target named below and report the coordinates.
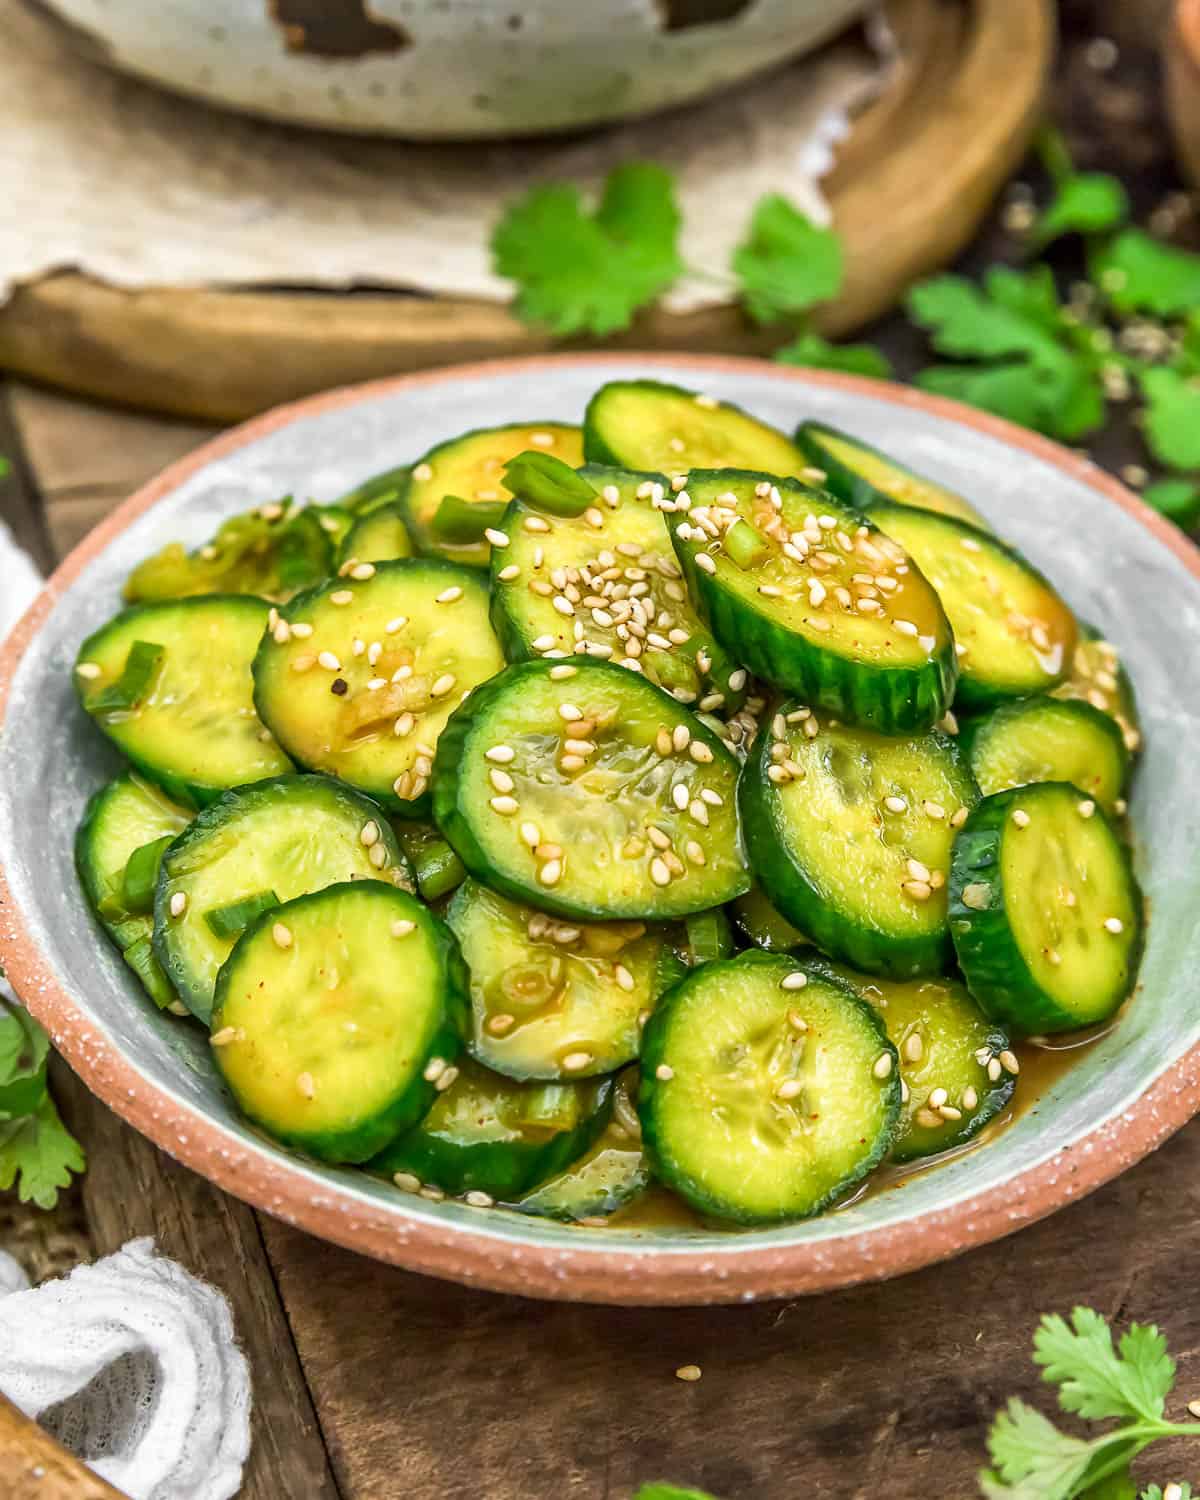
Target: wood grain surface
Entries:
(911, 187)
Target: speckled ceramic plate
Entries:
(1119, 565)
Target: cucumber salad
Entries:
(661, 804)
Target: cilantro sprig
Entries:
(37, 1152)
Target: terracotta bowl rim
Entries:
(1187, 23)
(591, 1273)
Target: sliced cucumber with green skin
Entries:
(437, 868)
(379, 536)
(553, 1000)
(861, 475)
(287, 837)
(1048, 739)
(1045, 912)
(271, 552)
(760, 924)
(1097, 676)
(607, 1177)
(954, 1081)
(121, 818)
(587, 791)
(195, 732)
(769, 1089)
(488, 1134)
(471, 466)
(373, 494)
(606, 584)
(852, 835)
(337, 1018)
(815, 600)
(645, 424)
(360, 675)
(1012, 631)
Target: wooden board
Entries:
(911, 185)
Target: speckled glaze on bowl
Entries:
(1118, 564)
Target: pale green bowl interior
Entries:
(1111, 568)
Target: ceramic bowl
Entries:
(450, 69)
(1118, 564)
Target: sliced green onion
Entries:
(746, 546)
(709, 936)
(232, 920)
(461, 521)
(546, 481)
(140, 958)
(552, 1106)
(135, 683)
(439, 870)
(141, 875)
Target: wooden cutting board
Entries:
(911, 183)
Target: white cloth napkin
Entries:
(131, 1363)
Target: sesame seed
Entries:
(919, 890)
(1114, 925)
(934, 810)
(434, 1194)
(501, 755)
(794, 981)
(560, 674)
(1008, 1061)
(623, 977)
(501, 780)
(507, 574)
(681, 737)
(611, 494)
(406, 1182)
(883, 1065)
(535, 523)
(542, 439)
(302, 630)
(789, 1089)
(505, 806)
(700, 753)
(223, 1037)
(1086, 808)
(423, 472)
(404, 725)
(937, 1097)
(698, 812)
(994, 1069)
(914, 1048)
(375, 683)
(694, 852)
(393, 626)
(282, 633)
(895, 804)
(679, 795)
(714, 799)
(575, 1061)
(927, 1119)
(544, 642)
(948, 1112)
(959, 817)
(377, 855)
(551, 872)
(659, 873)
(530, 834)
(448, 596)
(443, 685)
(694, 1372)
(329, 661)
(569, 712)
(665, 1072)
(1020, 817)
(305, 1084)
(402, 927)
(737, 680)
(497, 538)
(705, 562)
(501, 1023)
(178, 904)
(369, 834)
(1194, 1408)
(282, 935)
(341, 596)
(477, 1199)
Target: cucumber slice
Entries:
(950, 1054)
(644, 424)
(769, 1089)
(1012, 632)
(590, 793)
(487, 1134)
(1097, 676)
(361, 674)
(284, 837)
(760, 924)
(272, 552)
(437, 868)
(1045, 912)
(852, 835)
(861, 475)
(1049, 739)
(551, 1000)
(608, 1176)
(123, 817)
(378, 536)
(815, 600)
(195, 731)
(606, 584)
(336, 1018)
(471, 466)
(373, 494)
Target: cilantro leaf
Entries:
(1033, 1459)
(964, 320)
(1030, 294)
(1138, 273)
(1152, 1492)
(1094, 1379)
(39, 1154)
(1083, 203)
(589, 273)
(1177, 499)
(1062, 398)
(819, 354)
(1118, 1485)
(1172, 420)
(660, 1491)
(787, 264)
(23, 1045)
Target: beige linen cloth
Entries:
(140, 188)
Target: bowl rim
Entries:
(591, 1273)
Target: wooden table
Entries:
(371, 1383)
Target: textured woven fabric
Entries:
(132, 1364)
